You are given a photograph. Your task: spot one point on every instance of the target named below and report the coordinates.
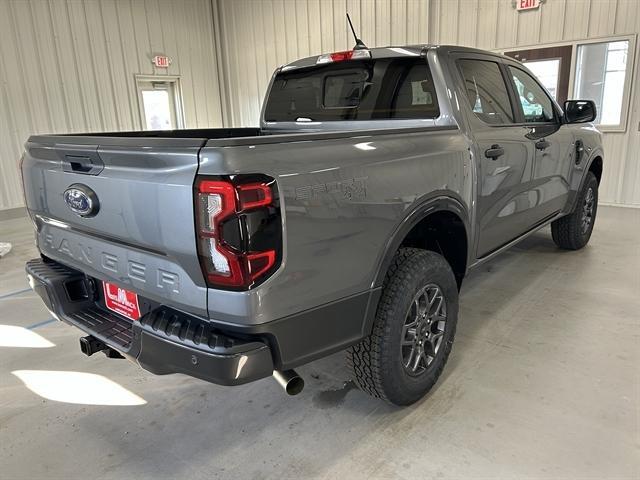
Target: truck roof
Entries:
(396, 51)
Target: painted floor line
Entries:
(41, 324)
(11, 294)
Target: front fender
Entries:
(580, 173)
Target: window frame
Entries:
(628, 86)
(621, 125)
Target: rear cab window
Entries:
(373, 89)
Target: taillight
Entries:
(239, 230)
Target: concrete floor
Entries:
(543, 382)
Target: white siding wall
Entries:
(259, 35)
(69, 66)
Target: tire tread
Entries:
(367, 358)
(566, 231)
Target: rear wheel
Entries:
(413, 330)
(573, 231)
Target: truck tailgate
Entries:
(141, 235)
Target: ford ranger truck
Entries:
(348, 220)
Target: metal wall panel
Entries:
(69, 66)
(260, 35)
(552, 19)
(487, 25)
(254, 28)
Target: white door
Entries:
(160, 108)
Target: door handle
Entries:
(494, 152)
(542, 144)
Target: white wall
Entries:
(260, 35)
(69, 66)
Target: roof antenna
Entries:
(359, 43)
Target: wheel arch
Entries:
(440, 208)
(593, 164)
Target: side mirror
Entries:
(579, 111)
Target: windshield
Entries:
(354, 90)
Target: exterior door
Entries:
(504, 154)
(551, 141)
(159, 103)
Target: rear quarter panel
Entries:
(342, 199)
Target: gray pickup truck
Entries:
(377, 179)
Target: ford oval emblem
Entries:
(81, 200)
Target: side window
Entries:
(536, 105)
(486, 91)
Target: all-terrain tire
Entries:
(377, 361)
(573, 231)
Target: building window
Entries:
(601, 76)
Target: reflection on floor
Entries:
(77, 387)
(12, 336)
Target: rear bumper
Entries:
(163, 341)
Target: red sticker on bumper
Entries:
(121, 301)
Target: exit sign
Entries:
(527, 4)
(161, 61)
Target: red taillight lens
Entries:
(228, 255)
(361, 54)
(342, 56)
(260, 263)
(254, 195)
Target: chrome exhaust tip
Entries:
(289, 380)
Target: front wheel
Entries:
(413, 330)
(573, 231)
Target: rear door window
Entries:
(388, 88)
(486, 91)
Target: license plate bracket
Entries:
(121, 301)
